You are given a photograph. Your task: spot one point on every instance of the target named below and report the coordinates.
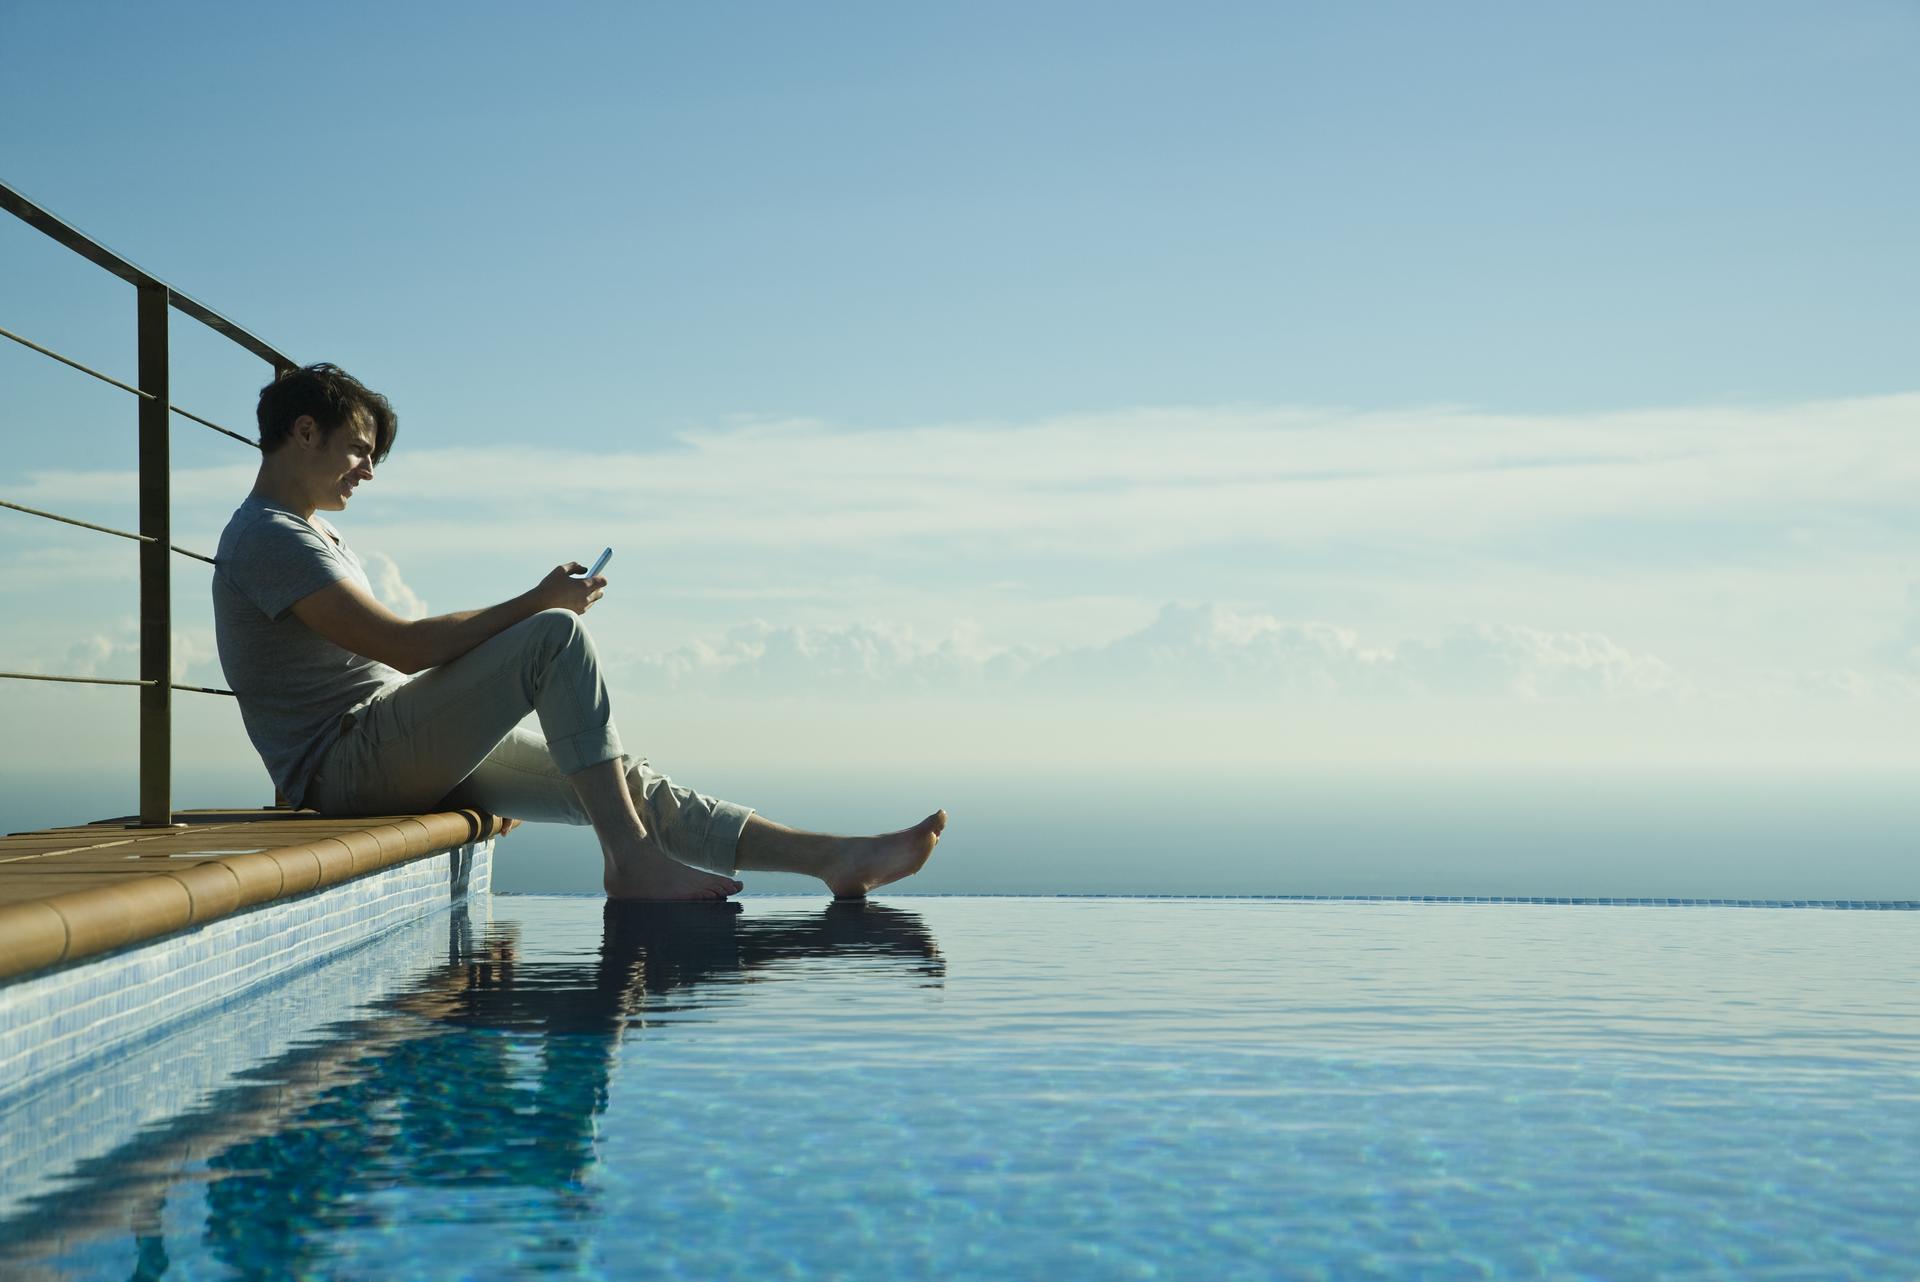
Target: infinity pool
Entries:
(1016, 1088)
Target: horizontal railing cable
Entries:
(110, 681)
(126, 387)
(205, 690)
(244, 440)
(78, 681)
(68, 360)
(85, 525)
(104, 529)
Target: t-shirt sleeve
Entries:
(277, 560)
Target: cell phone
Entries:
(598, 566)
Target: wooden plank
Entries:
(40, 891)
(122, 867)
(112, 884)
(16, 888)
(86, 837)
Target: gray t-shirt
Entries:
(294, 685)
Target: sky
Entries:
(1004, 388)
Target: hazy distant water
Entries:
(1145, 832)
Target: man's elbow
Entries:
(401, 650)
(410, 659)
(399, 660)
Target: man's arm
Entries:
(347, 615)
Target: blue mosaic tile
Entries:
(51, 1020)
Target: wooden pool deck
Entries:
(68, 893)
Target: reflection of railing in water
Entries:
(155, 302)
(539, 1139)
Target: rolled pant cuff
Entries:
(720, 845)
(576, 752)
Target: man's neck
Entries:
(282, 491)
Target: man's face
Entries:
(342, 462)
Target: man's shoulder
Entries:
(272, 558)
(261, 530)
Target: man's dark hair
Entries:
(332, 396)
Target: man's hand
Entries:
(560, 590)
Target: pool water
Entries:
(1048, 1088)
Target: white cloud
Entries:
(391, 588)
(1728, 541)
(1186, 652)
(94, 657)
(1882, 690)
(1134, 482)
(116, 655)
(1903, 652)
(760, 658)
(90, 492)
(1527, 663)
(1207, 649)
(1845, 684)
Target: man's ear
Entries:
(306, 430)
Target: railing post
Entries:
(156, 568)
(280, 370)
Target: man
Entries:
(357, 711)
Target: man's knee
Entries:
(556, 641)
(551, 633)
(555, 624)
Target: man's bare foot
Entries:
(861, 863)
(649, 874)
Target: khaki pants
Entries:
(451, 738)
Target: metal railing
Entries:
(155, 301)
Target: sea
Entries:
(1711, 834)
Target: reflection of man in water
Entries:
(357, 711)
(452, 1110)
